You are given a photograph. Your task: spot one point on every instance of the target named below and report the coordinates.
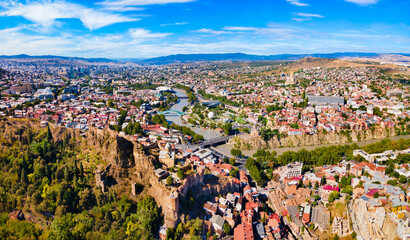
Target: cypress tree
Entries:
(23, 177)
(49, 135)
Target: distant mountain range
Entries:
(24, 56)
(184, 58)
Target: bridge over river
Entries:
(172, 113)
(215, 141)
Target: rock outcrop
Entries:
(255, 142)
(119, 150)
(221, 185)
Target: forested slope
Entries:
(51, 181)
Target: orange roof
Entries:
(243, 232)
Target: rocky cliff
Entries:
(216, 185)
(255, 142)
(119, 151)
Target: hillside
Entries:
(49, 175)
(309, 62)
(182, 58)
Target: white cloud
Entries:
(363, 2)
(297, 3)
(209, 31)
(309, 15)
(300, 17)
(143, 34)
(272, 31)
(240, 28)
(124, 3)
(123, 8)
(45, 14)
(174, 24)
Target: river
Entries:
(226, 148)
(182, 102)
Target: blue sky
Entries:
(150, 28)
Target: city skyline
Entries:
(152, 28)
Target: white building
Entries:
(293, 169)
(365, 155)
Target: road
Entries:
(219, 153)
(202, 99)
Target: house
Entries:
(371, 192)
(230, 218)
(293, 169)
(326, 190)
(217, 223)
(160, 173)
(231, 198)
(210, 208)
(290, 190)
(261, 230)
(243, 232)
(330, 189)
(306, 214)
(207, 225)
(356, 170)
(17, 215)
(365, 155)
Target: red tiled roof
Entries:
(243, 232)
(330, 188)
(371, 192)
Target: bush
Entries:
(353, 235)
(170, 181)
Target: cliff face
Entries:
(255, 142)
(118, 150)
(221, 185)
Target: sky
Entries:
(150, 28)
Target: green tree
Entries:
(62, 227)
(323, 181)
(354, 235)
(23, 177)
(227, 228)
(402, 179)
(227, 128)
(170, 180)
(49, 135)
(181, 173)
(195, 230)
(333, 196)
(110, 103)
(170, 234)
(233, 172)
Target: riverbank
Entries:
(226, 148)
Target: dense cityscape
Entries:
(204, 120)
(202, 134)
